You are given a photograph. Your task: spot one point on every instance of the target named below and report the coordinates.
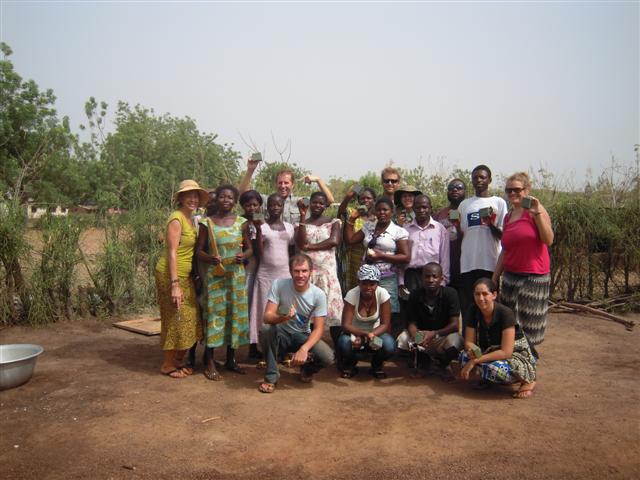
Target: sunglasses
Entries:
(513, 190)
(390, 180)
(457, 186)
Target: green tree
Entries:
(265, 180)
(165, 148)
(34, 143)
(371, 180)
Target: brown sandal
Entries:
(213, 375)
(526, 390)
(266, 387)
(235, 368)
(175, 373)
(305, 377)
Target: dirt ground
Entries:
(98, 408)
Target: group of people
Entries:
(386, 277)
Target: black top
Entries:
(434, 314)
(491, 335)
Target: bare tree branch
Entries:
(251, 145)
(282, 151)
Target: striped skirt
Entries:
(528, 296)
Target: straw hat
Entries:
(405, 189)
(190, 185)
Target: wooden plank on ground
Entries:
(146, 325)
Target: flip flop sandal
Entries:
(213, 375)
(176, 373)
(522, 394)
(379, 374)
(350, 372)
(234, 367)
(186, 369)
(305, 377)
(266, 387)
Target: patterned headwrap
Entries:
(369, 272)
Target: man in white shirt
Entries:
(481, 220)
(284, 187)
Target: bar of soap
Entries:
(283, 309)
(375, 343)
(486, 212)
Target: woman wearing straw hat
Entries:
(403, 199)
(180, 327)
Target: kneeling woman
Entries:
(504, 355)
(366, 319)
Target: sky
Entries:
(356, 85)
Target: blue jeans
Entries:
(276, 339)
(349, 356)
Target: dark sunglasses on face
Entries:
(513, 190)
(389, 180)
(456, 186)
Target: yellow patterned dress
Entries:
(355, 253)
(179, 329)
(227, 309)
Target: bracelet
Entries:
(175, 281)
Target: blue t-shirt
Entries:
(310, 303)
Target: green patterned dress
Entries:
(227, 311)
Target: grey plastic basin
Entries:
(17, 362)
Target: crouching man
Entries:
(432, 330)
(292, 305)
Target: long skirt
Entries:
(521, 367)
(354, 260)
(528, 296)
(227, 308)
(179, 329)
(250, 279)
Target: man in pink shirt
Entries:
(429, 242)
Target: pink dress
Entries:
(273, 265)
(325, 271)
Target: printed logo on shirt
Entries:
(300, 320)
(473, 219)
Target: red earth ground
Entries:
(98, 408)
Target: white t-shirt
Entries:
(480, 249)
(385, 243)
(368, 324)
